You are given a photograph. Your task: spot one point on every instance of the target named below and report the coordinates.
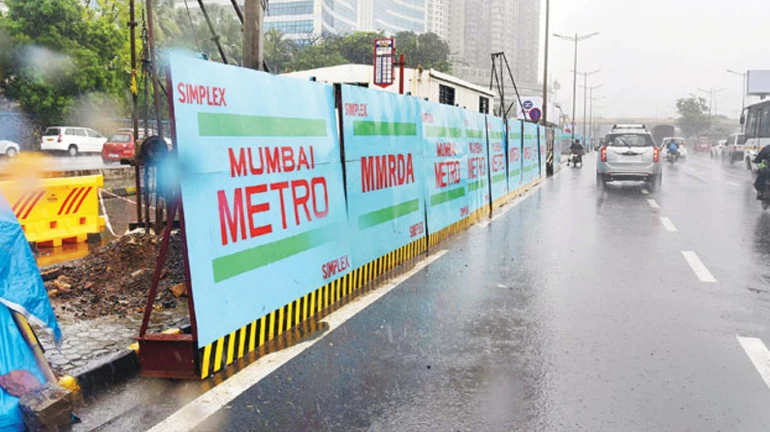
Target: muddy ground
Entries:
(116, 278)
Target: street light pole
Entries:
(545, 64)
(585, 97)
(577, 38)
(743, 90)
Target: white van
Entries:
(72, 139)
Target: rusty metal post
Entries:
(401, 66)
(154, 67)
(134, 107)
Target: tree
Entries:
(60, 51)
(278, 50)
(693, 115)
(427, 50)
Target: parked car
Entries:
(680, 143)
(9, 148)
(630, 153)
(72, 139)
(703, 145)
(119, 146)
(735, 144)
(717, 150)
(151, 132)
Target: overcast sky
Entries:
(652, 52)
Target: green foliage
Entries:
(427, 50)
(187, 28)
(693, 115)
(60, 51)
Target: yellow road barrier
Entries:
(56, 210)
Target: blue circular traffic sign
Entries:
(535, 114)
(528, 104)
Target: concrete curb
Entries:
(123, 192)
(102, 373)
(106, 371)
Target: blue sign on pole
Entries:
(535, 114)
(527, 104)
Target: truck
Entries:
(663, 131)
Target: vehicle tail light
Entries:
(655, 154)
(735, 147)
(59, 139)
(604, 154)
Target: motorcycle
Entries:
(765, 198)
(574, 158)
(672, 157)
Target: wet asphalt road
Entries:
(84, 162)
(574, 311)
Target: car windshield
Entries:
(51, 132)
(630, 140)
(120, 138)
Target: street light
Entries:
(545, 63)
(585, 96)
(577, 38)
(711, 92)
(743, 90)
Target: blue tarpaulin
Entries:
(21, 290)
(14, 355)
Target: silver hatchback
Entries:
(629, 154)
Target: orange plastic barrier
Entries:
(56, 210)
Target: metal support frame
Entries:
(169, 355)
(214, 35)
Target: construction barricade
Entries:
(56, 210)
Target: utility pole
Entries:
(575, 39)
(743, 90)
(545, 64)
(590, 91)
(585, 97)
(711, 92)
(253, 35)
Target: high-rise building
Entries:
(436, 17)
(478, 28)
(307, 19)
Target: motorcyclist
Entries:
(763, 170)
(577, 148)
(673, 149)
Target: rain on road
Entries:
(581, 308)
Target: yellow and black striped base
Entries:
(224, 351)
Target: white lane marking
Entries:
(653, 203)
(734, 184)
(194, 413)
(759, 355)
(645, 192)
(668, 224)
(698, 267)
(507, 207)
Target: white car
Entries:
(718, 149)
(72, 139)
(9, 148)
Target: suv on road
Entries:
(629, 153)
(735, 143)
(72, 139)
